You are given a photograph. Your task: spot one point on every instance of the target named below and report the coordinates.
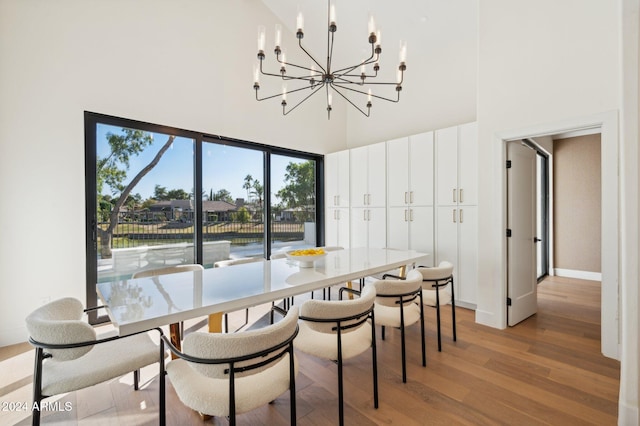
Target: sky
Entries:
(224, 166)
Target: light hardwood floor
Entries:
(547, 370)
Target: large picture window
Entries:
(158, 196)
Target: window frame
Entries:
(91, 121)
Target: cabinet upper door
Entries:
(336, 179)
(421, 169)
(398, 172)
(468, 164)
(331, 180)
(377, 185)
(358, 176)
(446, 141)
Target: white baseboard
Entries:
(581, 275)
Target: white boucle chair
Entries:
(339, 330)
(69, 355)
(440, 279)
(228, 374)
(395, 307)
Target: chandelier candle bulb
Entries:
(372, 25)
(300, 22)
(332, 15)
(403, 52)
(378, 42)
(278, 36)
(261, 38)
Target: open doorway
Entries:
(606, 125)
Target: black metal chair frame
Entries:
(265, 356)
(437, 284)
(361, 318)
(41, 355)
(406, 298)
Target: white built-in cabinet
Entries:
(456, 159)
(367, 194)
(410, 178)
(419, 192)
(336, 181)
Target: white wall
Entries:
(183, 64)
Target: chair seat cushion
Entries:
(211, 395)
(390, 316)
(325, 345)
(429, 297)
(103, 362)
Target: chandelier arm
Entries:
(296, 65)
(317, 87)
(367, 61)
(367, 94)
(310, 56)
(366, 114)
(305, 98)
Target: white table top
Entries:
(144, 303)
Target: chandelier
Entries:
(342, 81)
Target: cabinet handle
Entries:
(454, 195)
(368, 199)
(337, 200)
(364, 199)
(411, 197)
(461, 216)
(405, 215)
(411, 215)
(461, 194)
(368, 214)
(454, 215)
(364, 215)
(405, 197)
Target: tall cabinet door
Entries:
(468, 253)
(447, 165)
(337, 227)
(468, 164)
(421, 231)
(398, 228)
(359, 176)
(377, 175)
(421, 169)
(398, 173)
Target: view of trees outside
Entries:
(145, 193)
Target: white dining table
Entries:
(135, 305)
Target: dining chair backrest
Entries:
(168, 270)
(240, 261)
(337, 309)
(396, 287)
(237, 345)
(60, 322)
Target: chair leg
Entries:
(453, 310)
(37, 386)
(162, 378)
(424, 352)
(374, 357)
(402, 340)
(340, 384)
(292, 385)
(382, 332)
(136, 379)
(438, 317)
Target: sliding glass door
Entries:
(157, 196)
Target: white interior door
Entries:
(521, 221)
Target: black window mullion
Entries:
(197, 201)
(267, 204)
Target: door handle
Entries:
(454, 195)
(405, 215)
(454, 215)
(411, 215)
(536, 239)
(461, 195)
(461, 215)
(405, 197)
(411, 197)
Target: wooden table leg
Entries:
(176, 339)
(350, 286)
(215, 323)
